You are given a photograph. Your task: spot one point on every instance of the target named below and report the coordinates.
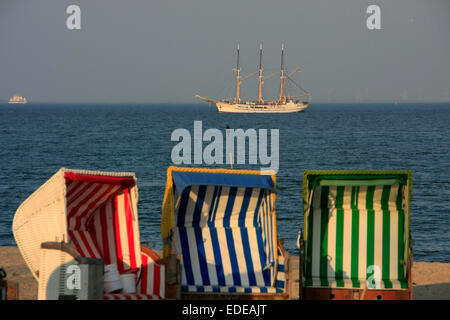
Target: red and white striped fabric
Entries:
(151, 285)
(101, 223)
(116, 233)
(152, 275)
(125, 296)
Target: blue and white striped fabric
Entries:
(226, 234)
(280, 283)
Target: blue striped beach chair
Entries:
(223, 224)
(356, 241)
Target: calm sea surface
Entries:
(37, 140)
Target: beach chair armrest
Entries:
(62, 246)
(172, 272)
(152, 254)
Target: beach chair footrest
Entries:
(355, 294)
(231, 289)
(130, 296)
(314, 282)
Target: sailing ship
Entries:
(18, 99)
(284, 104)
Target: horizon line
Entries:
(202, 103)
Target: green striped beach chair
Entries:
(356, 239)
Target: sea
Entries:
(38, 139)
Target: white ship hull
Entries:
(288, 107)
(17, 100)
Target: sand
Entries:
(431, 280)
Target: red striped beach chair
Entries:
(223, 224)
(356, 243)
(90, 215)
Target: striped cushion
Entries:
(226, 237)
(349, 229)
(232, 289)
(125, 296)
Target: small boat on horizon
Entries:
(285, 103)
(17, 100)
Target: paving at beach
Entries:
(431, 280)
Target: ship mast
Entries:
(238, 77)
(260, 75)
(282, 97)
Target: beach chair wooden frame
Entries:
(356, 242)
(90, 215)
(222, 223)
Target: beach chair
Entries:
(356, 241)
(87, 219)
(223, 225)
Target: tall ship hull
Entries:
(284, 104)
(289, 107)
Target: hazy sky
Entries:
(167, 51)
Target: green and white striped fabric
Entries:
(356, 237)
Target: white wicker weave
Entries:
(53, 275)
(42, 216)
